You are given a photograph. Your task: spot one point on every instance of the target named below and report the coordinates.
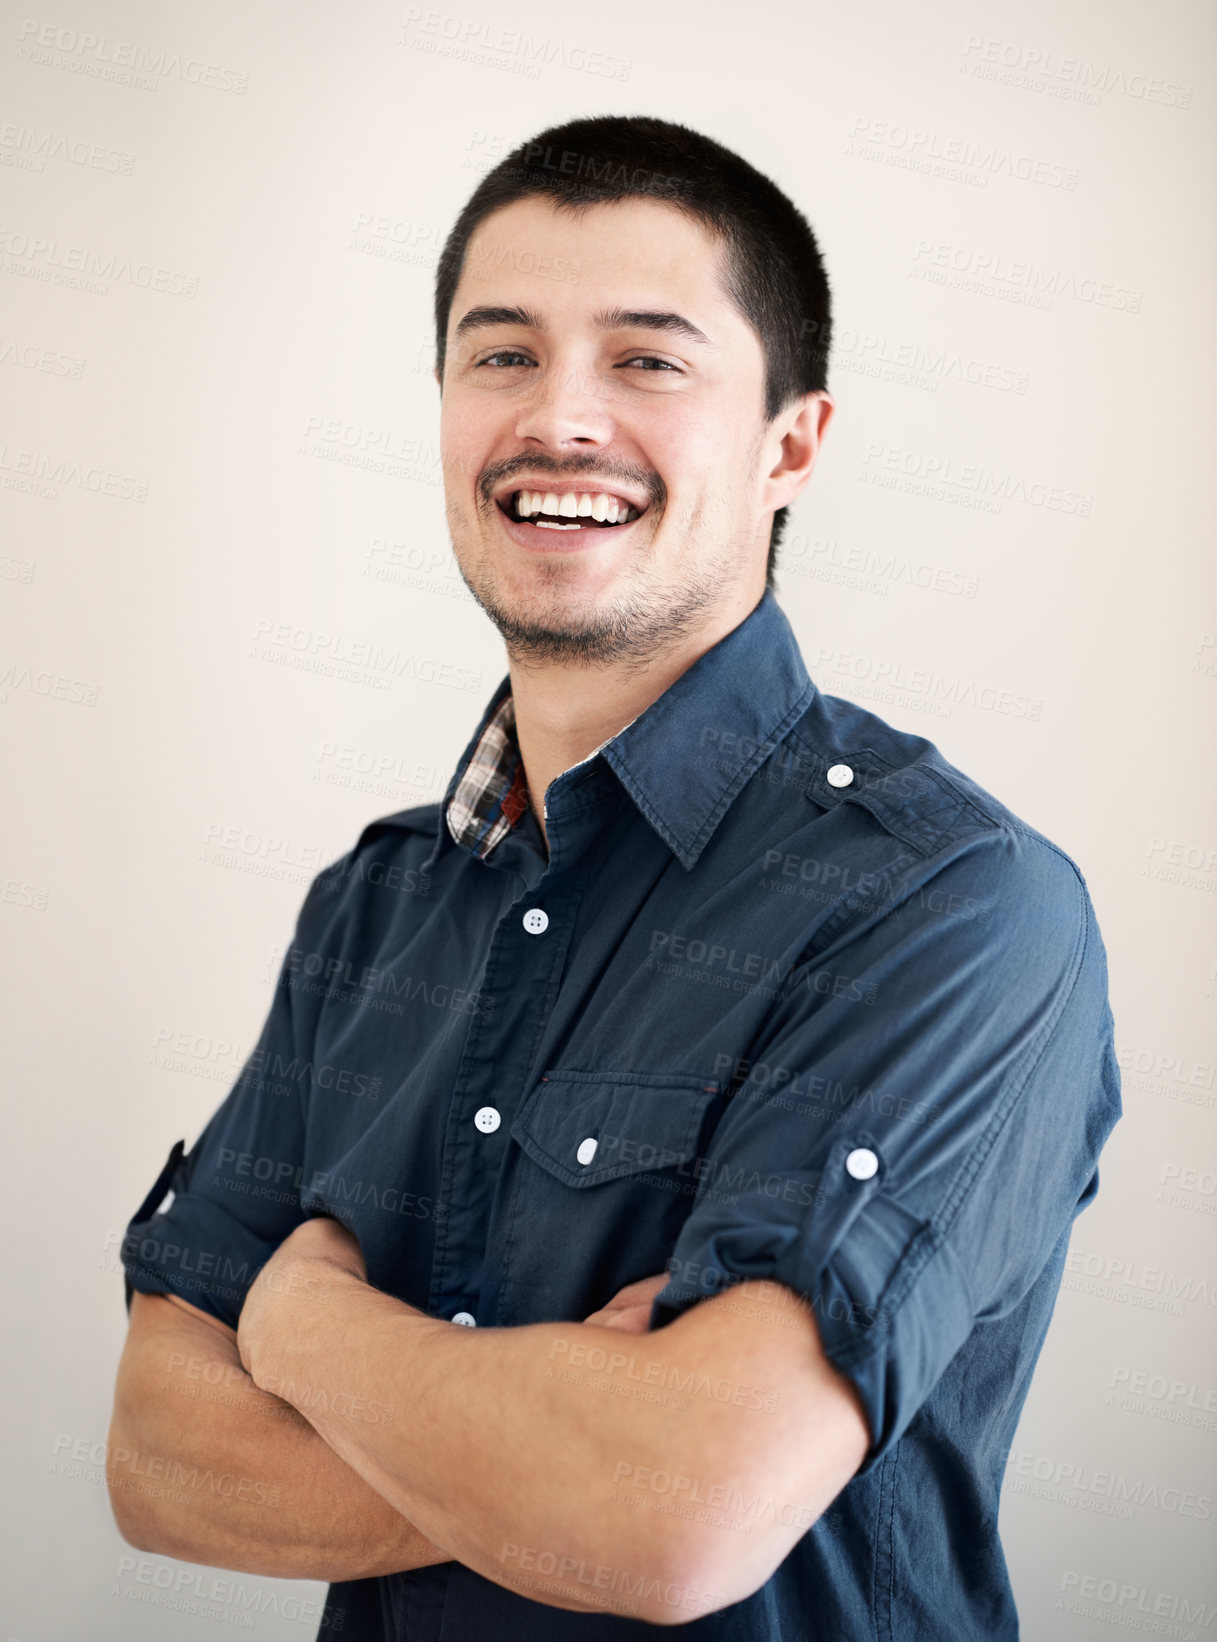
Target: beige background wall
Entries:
(229, 602)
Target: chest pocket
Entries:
(606, 1182)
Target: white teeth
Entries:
(602, 507)
(552, 524)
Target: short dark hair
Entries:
(773, 270)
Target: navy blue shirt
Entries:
(788, 997)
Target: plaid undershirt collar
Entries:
(492, 794)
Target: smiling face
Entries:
(627, 388)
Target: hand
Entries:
(298, 1270)
(630, 1308)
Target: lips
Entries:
(554, 528)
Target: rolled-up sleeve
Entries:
(959, 1040)
(236, 1192)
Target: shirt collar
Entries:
(492, 793)
(683, 760)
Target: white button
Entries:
(487, 1119)
(466, 1318)
(861, 1163)
(587, 1150)
(536, 922)
(840, 775)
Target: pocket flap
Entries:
(588, 1127)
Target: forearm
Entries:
(500, 1451)
(205, 1467)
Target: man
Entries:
(727, 1065)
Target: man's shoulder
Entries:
(388, 830)
(852, 755)
(390, 853)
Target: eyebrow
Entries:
(621, 319)
(477, 318)
(610, 319)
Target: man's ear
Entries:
(792, 443)
(439, 381)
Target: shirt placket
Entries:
(517, 990)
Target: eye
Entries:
(649, 360)
(505, 353)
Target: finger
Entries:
(639, 1293)
(634, 1320)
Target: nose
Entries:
(567, 407)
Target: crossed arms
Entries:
(341, 1434)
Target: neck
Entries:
(565, 713)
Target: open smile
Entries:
(543, 517)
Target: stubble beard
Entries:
(635, 627)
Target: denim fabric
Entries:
(781, 936)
